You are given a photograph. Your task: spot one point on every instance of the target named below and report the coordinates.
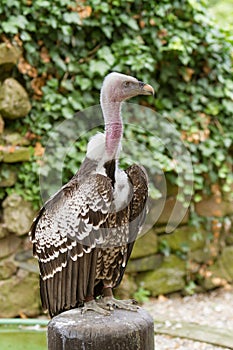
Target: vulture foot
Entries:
(93, 306)
(110, 303)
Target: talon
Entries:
(109, 303)
(104, 304)
(92, 306)
(130, 302)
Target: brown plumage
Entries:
(84, 234)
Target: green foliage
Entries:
(27, 184)
(222, 10)
(164, 247)
(190, 288)
(171, 45)
(141, 295)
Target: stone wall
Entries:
(189, 259)
(19, 293)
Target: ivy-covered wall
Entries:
(59, 54)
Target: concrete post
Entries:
(122, 330)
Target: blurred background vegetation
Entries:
(67, 47)
(222, 11)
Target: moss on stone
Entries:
(20, 295)
(186, 238)
(18, 214)
(146, 245)
(15, 154)
(9, 245)
(7, 269)
(166, 279)
(14, 101)
(8, 175)
(9, 56)
(144, 264)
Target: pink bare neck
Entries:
(113, 127)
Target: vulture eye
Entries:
(126, 84)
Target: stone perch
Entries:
(122, 330)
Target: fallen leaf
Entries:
(142, 24)
(162, 298)
(162, 32)
(187, 74)
(37, 84)
(39, 150)
(11, 149)
(25, 68)
(44, 54)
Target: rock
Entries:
(14, 139)
(9, 56)
(185, 239)
(145, 245)
(11, 154)
(14, 101)
(20, 295)
(211, 206)
(17, 214)
(3, 231)
(24, 255)
(159, 230)
(30, 266)
(24, 260)
(162, 212)
(144, 264)
(7, 269)
(166, 279)
(2, 124)
(127, 288)
(225, 261)
(171, 188)
(9, 245)
(200, 255)
(221, 271)
(8, 175)
(229, 239)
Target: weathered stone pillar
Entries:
(122, 330)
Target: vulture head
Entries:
(118, 87)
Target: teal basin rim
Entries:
(23, 321)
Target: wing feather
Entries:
(65, 235)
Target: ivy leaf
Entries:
(100, 67)
(59, 62)
(72, 17)
(131, 22)
(68, 85)
(43, 3)
(227, 141)
(84, 83)
(107, 30)
(106, 54)
(67, 112)
(74, 100)
(13, 23)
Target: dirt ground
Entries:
(214, 309)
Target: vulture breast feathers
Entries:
(82, 241)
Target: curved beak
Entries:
(146, 89)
